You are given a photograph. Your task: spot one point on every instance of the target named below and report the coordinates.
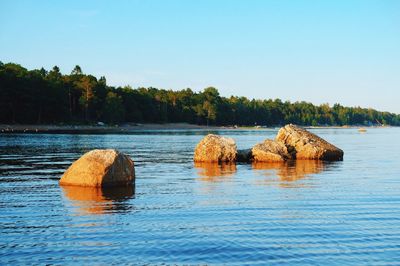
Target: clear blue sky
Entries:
(317, 51)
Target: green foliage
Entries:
(40, 96)
(113, 108)
(76, 71)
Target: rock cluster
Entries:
(105, 168)
(292, 142)
(100, 168)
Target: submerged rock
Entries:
(307, 145)
(213, 148)
(270, 151)
(100, 168)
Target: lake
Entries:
(306, 212)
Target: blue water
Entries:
(341, 213)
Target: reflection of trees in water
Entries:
(291, 171)
(97, 200)
(215, 171)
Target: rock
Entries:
(213, 148)
(244, 155)
(307, 145)
(100, 168)
(270, 151)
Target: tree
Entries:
(113, 108)
(77, 70)
(86, 84)
(211, 99)
(103, 81)
(41, 96)
(54, 75)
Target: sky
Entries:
(345, 52)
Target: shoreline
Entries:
(75, 129)
(103, 129)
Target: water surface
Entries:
(184, 213)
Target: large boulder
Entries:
(100, 168)
(213, 148)
(270, 151)
(306, 145)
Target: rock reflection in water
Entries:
(215, 180)
(97, 200)
(215, 171)
(290, 171)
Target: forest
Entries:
(42, 96)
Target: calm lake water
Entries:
(179, 213)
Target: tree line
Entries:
(39, 96)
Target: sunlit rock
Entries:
(270, 151)
(213, 148)
(306, 145)
(100, 168)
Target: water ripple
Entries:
(344, 213)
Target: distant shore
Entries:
(17, 128)
(104, 129)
